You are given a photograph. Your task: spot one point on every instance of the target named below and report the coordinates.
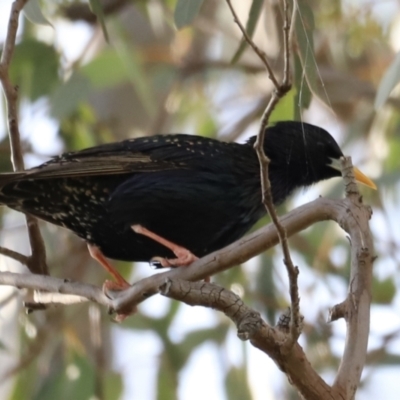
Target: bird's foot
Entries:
(185, 261)
(111, 286)
(184, 257)
(108, 288)
(97, 255)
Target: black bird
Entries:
(199, 194)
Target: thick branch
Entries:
(345, 212)
(357, 305)
(251, 327)
(55, 285)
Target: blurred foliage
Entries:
(151, 77)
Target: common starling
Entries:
(196, 193)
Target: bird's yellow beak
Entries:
(360, 177)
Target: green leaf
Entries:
(303, 93)
(130, 59)
(113, 385)
(285, 108)
(304, 28)
(77, 131)
(254, 15)
(200, 336)
(97, 10)
(267, 293)
(34, 68)
(166, 381)
(237, 385)
(390, 79)
(383, 291)
(186, 11)
(67, 97)
(106, 70)
(25, 383)
(75, 380)
(33, 12)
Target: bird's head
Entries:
(302, 154)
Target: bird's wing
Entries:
(128, 156)
(90, 166)
(146, 154)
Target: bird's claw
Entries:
(108, 288)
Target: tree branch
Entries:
(250, 326)
(257, 50)
(280, 91)
(14, 255)
(234, 254)
(55, 285)
(346, 212)
(37, 261)
(358, 302)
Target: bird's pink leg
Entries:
(183, 256)
(120, 283)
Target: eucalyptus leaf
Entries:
(303, 93)
(97, 10)
(73, 379)
(254, 15)
(390, 79)
(237, 384)
(186, 11)
(33, 12)
(34, 68)
(304, 28)
(383, 291)
(106, 70)
(66, 98)
(285, 109)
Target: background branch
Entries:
(37, 261)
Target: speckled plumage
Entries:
(197, 192)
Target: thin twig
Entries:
(37, 261)
(14, 255)
(257, 50)
(277, 94)
(287, 35)
(10, 91)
